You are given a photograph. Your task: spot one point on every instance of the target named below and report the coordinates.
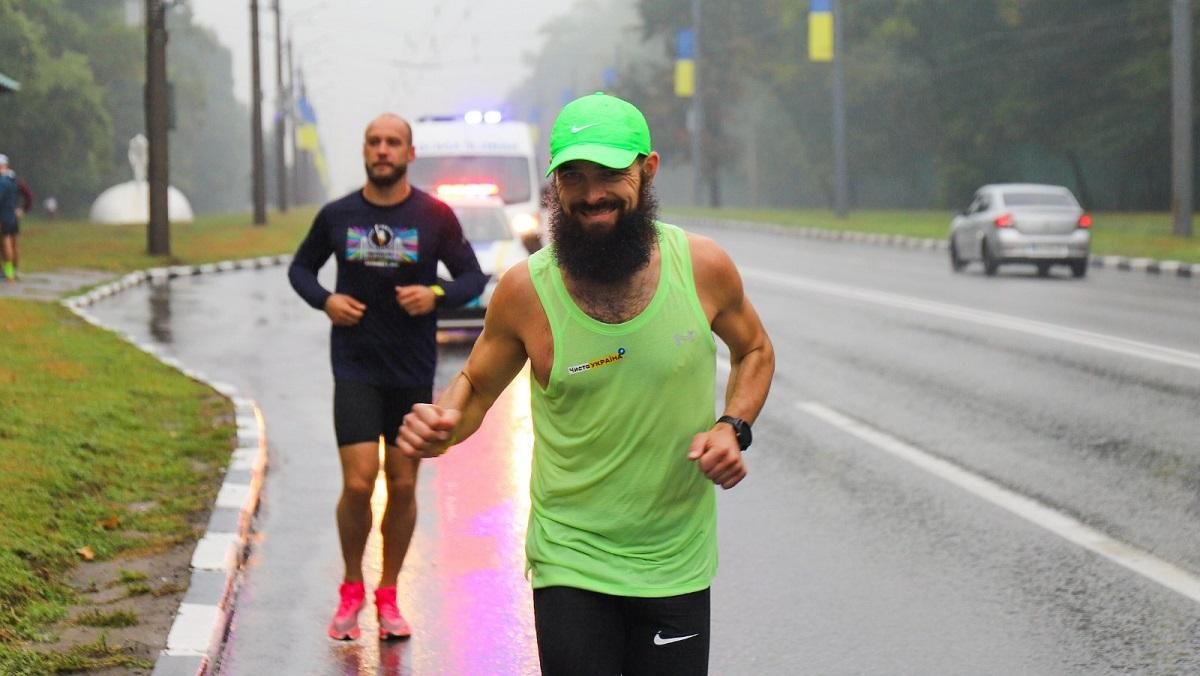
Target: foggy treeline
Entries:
(82, 69)
(942, 95)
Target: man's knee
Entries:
(401, 486)
(358, 487)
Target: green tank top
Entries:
(616, 506)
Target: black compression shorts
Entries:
(362, 412)
(583, 632)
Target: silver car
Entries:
(1022, 223)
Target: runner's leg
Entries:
(668, 636)
(579, 633)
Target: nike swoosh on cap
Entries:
(576, 130)
(659, 640)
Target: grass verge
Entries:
(105, 454)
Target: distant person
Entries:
(12, 209)
(616, 318)
(387, 238)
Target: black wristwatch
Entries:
(741, 428)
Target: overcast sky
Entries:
(363, 57)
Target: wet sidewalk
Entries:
(49, 286)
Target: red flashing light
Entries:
(445, 190)
(1085, 221)
(1004, 220)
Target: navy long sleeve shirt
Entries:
(377, 249)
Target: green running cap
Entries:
(599, 128)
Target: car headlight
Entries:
(523, 224)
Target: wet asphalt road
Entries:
(837, 557)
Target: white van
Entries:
(481, 158)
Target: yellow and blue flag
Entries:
(820, 30)
(685, 63)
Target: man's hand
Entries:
(416, 299)
(717, 454)
(344, 310)
(427, 431)
(20, 212)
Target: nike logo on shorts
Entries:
(659, 640)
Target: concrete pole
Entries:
(291, 110)
(697, 126)
(258, 190)
(841, 180)
(1183, 156)
(158, 230)
(281, 179)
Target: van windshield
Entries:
(509, 174)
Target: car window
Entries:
(1039, 199)
(483, 223)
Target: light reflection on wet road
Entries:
(462, 587)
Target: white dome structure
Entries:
(129, 202)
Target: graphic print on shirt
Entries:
(598, 362)
(380, 246)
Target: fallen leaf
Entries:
(86, 553)
(110, 523)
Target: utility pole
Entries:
(697, 109)
(158, 230)
(291, 111)
(258, 184)
(841, 181)
(280, 116)
(1182, 152)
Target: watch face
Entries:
(740, 428)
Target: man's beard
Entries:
(386, 180)
(609, 256)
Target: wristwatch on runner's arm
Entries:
(741, 428)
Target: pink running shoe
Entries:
(344, 626)
(391, 623)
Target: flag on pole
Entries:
(820, 30)
(685, 63)
(308, 140)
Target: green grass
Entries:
(110, 619)
(81, 444)
(92, 656)
(49, 245)
(1113, 233)
(79, 447)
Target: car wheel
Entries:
(990, 264)
(1043, 269)
(956, 261)
(1079, 268)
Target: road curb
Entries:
(1166, 268)
(202, 621)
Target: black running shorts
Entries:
(582, 633)
(363, 413)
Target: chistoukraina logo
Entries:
(597, 363)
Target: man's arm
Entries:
(751, 358)
(497, 357)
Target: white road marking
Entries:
(1091, 339)
(1062, 525)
